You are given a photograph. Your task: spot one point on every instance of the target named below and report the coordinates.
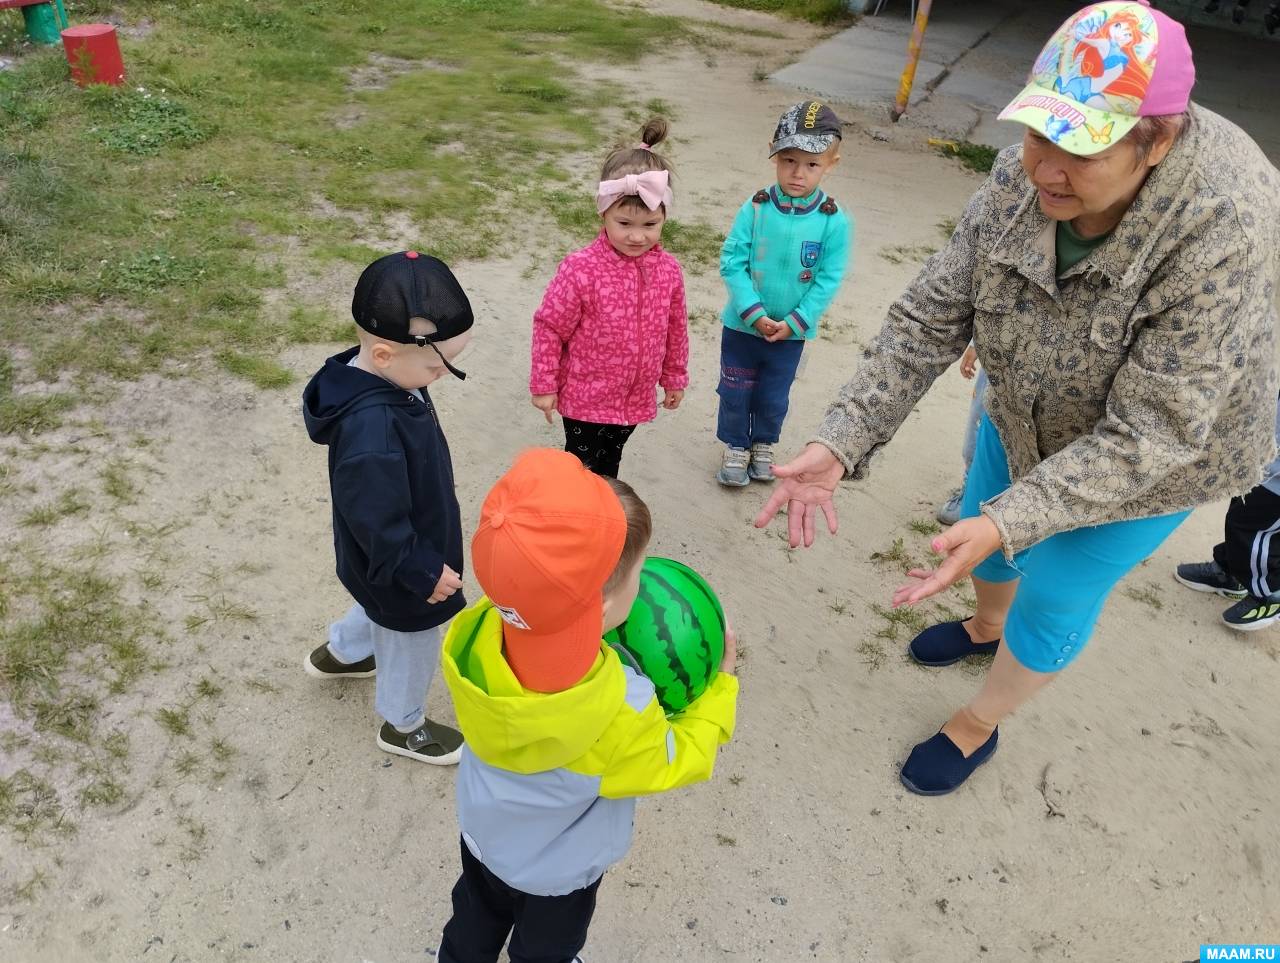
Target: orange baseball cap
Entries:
(550, 535)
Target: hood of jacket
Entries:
(338, 389)
(514, 728)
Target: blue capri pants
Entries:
(1067, 577)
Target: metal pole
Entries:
(914, 46)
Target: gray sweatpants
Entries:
(406, 664)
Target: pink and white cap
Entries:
(1107, 66)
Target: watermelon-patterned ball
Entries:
(674, 633)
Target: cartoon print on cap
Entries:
(1103, 58)
(1055, 127)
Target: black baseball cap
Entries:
(405, 285)
(810, 126)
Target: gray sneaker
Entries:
(761, 467)
(733, 469)
(948, 512)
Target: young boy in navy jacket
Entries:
(397, 529)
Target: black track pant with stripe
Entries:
(1250, 548)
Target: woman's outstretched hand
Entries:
(963, 547)
(805, 486)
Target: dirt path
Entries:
(1132, 805)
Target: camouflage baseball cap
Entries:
(810, 126)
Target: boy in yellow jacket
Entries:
(560, 735)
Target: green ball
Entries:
(674, 634)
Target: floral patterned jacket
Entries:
(1142, 382)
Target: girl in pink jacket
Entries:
(612, 325)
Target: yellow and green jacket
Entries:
(547, 781)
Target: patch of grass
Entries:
(101, 790)
(947, 227)
(218, 608)
(977, 157)
(263, 372)
(1145, 594)
(117, 483)
(815, 11)
(186, 763)
(206, 688)
(317, 326)
(925, 526)
(69, 714)
(32, 414)
(29, 806)
(895, 554)
(907, 253)
(57, 618)
(195, 843)
(905, 617)
(176, 722)
(697, 245)
(151, 214)
(873, 653)
(66, 504)
(137, 121)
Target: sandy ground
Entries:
(1131, 808)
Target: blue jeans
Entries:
(1065, 579)
(755, 387)
(406, 663)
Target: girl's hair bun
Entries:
(654, 132)
(631, 158)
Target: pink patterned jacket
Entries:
(609, 330)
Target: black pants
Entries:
(547, 929)
(599, 447)
(1250, 546)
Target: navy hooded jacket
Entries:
(396, 521)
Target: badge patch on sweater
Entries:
(810, 251)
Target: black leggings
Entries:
(599, 447)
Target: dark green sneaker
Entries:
(321, 664)
(1209, 577)
(431, 742)
(1251, 614)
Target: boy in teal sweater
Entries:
(782, 263)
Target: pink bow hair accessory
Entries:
(652, 187)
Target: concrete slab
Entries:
(976, 57)
(862, 65)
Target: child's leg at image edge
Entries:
(1250, 549)
(406, 664)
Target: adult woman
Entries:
(1117, 274)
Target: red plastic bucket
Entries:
(94, 54)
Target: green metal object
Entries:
(45, 22)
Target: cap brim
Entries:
(555, 661)
(1065, 121)
(809, 143)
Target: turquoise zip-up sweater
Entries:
(784, 258)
